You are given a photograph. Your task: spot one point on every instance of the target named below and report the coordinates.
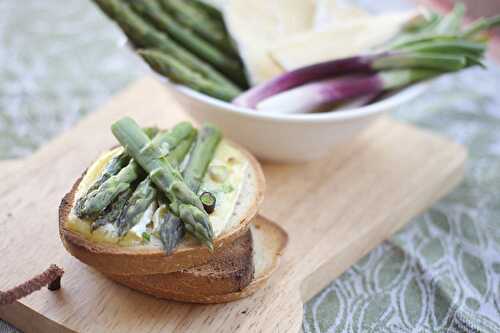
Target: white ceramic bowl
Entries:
(287, 137)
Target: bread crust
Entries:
(229, 272)
(274, 243)
(117, 260)
(138, 284)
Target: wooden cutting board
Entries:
(335, 211)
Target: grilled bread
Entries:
(112, 258)
(238, 272)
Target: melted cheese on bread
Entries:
(224, 178)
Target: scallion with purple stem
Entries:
(313, 96)
(368, 64)
(303, 75)
(436, 47)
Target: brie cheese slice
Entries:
(338, 40)
(336, 11)
(258, 24)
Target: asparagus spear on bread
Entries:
(150, 258)
(115, 259)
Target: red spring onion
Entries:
(367, 64)
(317, 95)
(301, 76)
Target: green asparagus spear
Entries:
(203, 152)
(112, 168)
(177, 155)
(209, 10)
(97, 200)
(151, 131)
(197, 224)
(171, 232)
(183, 201)
(145, 193)
(149, 156)
(166, 141)
(142, 34)
(177, 72)
(209, 200)
(113, 211)
(192, 16)
(140, 200)
(163, 21)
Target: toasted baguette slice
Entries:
(229, 271)
(142, 260)
(222, 282)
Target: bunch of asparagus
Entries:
(149, 171)
(183, 40)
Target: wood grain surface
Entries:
(335, 210)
